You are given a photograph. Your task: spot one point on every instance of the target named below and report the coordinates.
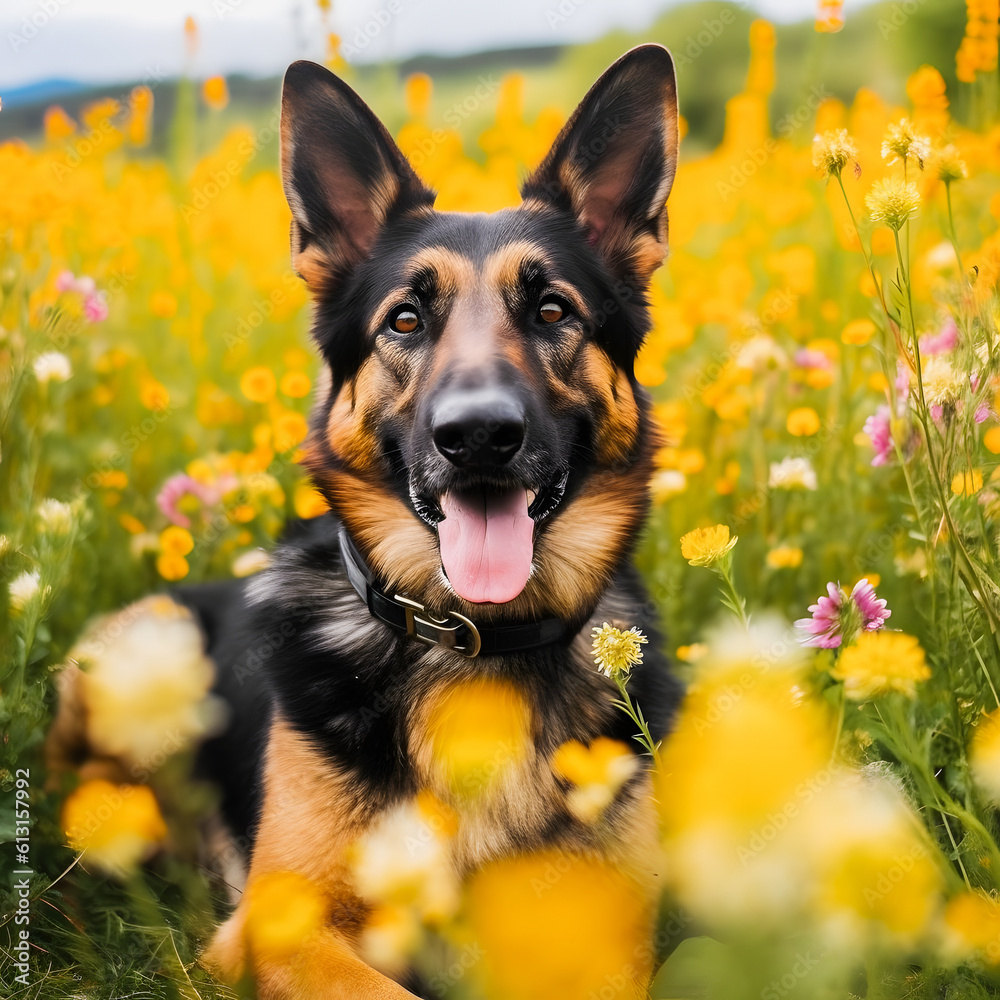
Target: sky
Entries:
(109, 41)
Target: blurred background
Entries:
(155, 381)
(71, 51)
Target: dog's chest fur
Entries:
(365, 699)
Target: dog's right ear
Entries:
(342, 173)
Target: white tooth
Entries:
(531, 496)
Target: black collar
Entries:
(454, 630)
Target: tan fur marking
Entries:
(346, 434)
(502, 270)
(578, 552)
(617, 432)
(314, 267)
(306, 826)
(356, 410)
(453, 270)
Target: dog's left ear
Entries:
(613, 163)
(342, 173)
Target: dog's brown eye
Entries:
(405, 320)
(550, 311)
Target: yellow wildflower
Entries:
(215, 92)
(992, 440)
(803, 422)
(901, 142)
(704, 546)
(984, 756)
(290, 429)
(832, 151)
(308, 501)
(597, 772)
(784, 557)
(284, 909)
(57, 124)
(949, 165)
(967, 483)
(258, 384)
(693, 653)
(117, 825)
(858, 331)
(892, 202)
(534, 918)
(479, 731)
(295, 384)
(875, 869)
(163, 304)
(616, 652)
(176, 541)
(390, 937)
(172, 566)
(153, 394)
(973, 920)
(131, 524)
(880, 663)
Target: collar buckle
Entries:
(431, 630)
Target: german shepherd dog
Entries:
(485, 450)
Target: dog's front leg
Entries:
(308, 822)
(324, 968)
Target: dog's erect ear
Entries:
(613, 163)
(342, 173)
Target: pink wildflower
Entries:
(95, 308)
(177, 487)
(877, 429)
(809, 358)
(838, 617)
(940, 343)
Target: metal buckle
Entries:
(443, 636)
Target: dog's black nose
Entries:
(478, 427)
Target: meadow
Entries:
(823, 549)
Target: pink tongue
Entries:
(486, 544)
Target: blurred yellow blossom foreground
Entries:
(825, 367)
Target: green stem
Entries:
(868, 260)
(951, 229)
(635, 714)
(731, 598)
(967, 568)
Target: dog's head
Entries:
(482, 435)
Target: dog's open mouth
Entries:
(487, 537)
